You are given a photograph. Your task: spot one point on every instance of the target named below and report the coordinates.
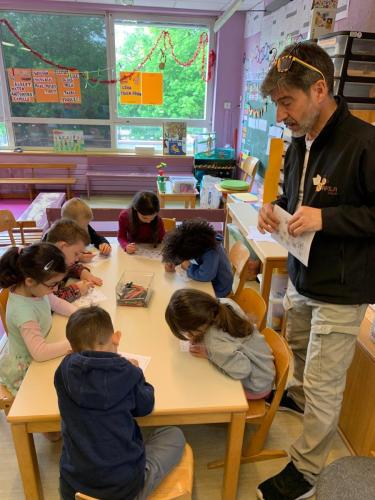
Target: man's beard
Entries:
(306, 125)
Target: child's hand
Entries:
(134, 362)
(84, 286)
(131, 248)
(86, 275)
(86, 256)
(105, 248)
(185, 264)
(169, 267)
(198, 350)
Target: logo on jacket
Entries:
(322, 184)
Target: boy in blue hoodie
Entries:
(99, 394)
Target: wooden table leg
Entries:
(187, 203)
(192, 200)
(27, 462)
(233, 456)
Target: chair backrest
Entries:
(253, 304)
(249, 167)
(8, 223)
(4, 294)
(282, 356)
(239, 256)
(169, 224)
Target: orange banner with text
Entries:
(141, 88)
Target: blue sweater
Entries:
(214, 266)
(99, 394)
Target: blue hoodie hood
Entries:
(98, 380)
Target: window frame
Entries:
(114, 120)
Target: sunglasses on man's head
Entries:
(284, 63)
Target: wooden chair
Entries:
(178, 485)
(16, 230)
(249, 167)
(4, 294)
(253, 304)
(169, 224)
(239, 258)
(258, 414)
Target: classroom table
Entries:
(271, 254)
(188, 390)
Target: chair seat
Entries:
(179, 482)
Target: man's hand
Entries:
(86, 275)
(198, 350)
(105, 248)
(84, 286)
(131, 248)
(304, 220)
(134, 362)
(267, 220)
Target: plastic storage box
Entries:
(182, 184)
(134, 289)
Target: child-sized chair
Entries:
(4, 294)
(16, 230)
(258, 414)
(248, 166)
(178, 485)
(239, 258)
(6, 398)
(169, 224)
(253, 304)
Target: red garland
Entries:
(165, 35)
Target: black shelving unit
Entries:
(217, 167)
(353, 55)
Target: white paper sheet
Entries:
(148, 251)
(92, 298)
(298, 246)
(256, 235)
(143, 361)
(181, 273)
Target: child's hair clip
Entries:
(49, 265)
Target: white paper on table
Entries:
(184, 345)
(148, 251)
(256, 235)
(298, 246)
(93, 297)
(143, 361)
(181, 273)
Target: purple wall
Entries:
(230, 49)
(361, 17)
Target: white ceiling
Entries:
(215, 5)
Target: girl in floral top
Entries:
(32, 274)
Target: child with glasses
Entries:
(32, 274)
(219, 330)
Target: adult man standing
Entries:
(329, 187)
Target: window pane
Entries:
(40, 134)
(3, 135)
(129, 136)
(184, 91)
(73, 41)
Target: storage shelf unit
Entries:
(353, 56)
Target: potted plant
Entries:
(161, 178)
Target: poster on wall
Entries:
(45, 85)
(174, 138)
(68, 140)
(141, 88)
(69, 86)
(21, 85)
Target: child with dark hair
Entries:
(219, 330)
(31, 274)
(195, 246)
(100, 394)
(72, 239)
(141, 223)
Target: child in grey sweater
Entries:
(219, 330)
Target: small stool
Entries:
(179, 482)
(348, 478)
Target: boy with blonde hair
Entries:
(100, 394)
(79, 211)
